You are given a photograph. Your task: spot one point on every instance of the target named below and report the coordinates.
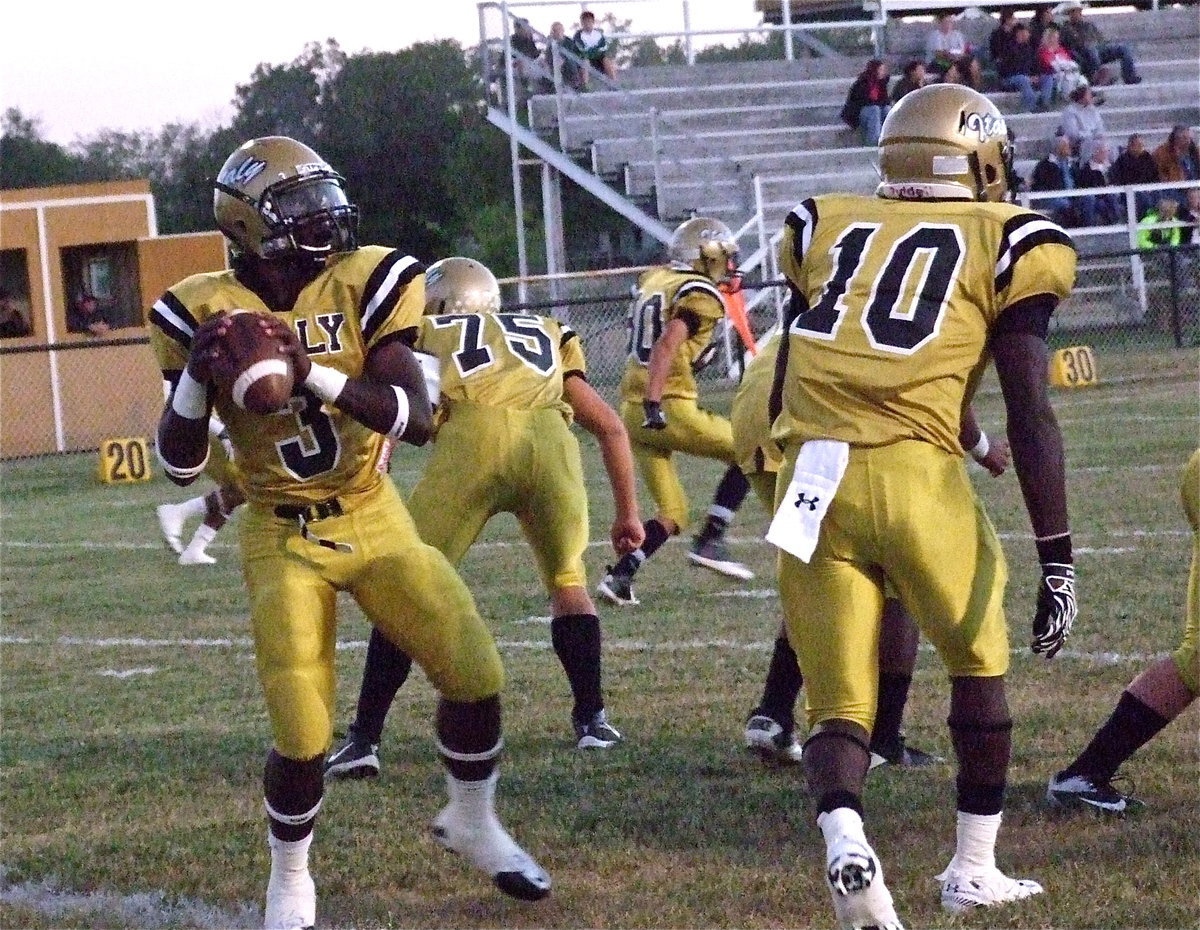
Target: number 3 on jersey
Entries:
(908, 295)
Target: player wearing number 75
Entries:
(322, 518)
(509, 386)
(897, 303)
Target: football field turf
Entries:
(133, 732)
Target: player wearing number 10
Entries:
(321, 517)
(897, 303)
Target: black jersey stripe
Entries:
(1022, 234)
(174, 319)
(801, 219)
(703, 287)
(384, 287)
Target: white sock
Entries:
(976, 849)
(839, 823)
(288, 856)
(203, 536)
(475, 800)
(193, 507)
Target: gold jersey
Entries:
(750, 417)
(512, 360)
(307, 451)
(663, 294)
(902, 296)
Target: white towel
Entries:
(819, 470)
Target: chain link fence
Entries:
(1128, 303)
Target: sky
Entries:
(77, 68)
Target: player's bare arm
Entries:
(674, 335)
(599, 419)
(1021, 362)
(183, 427)
(390, 397)
(1033, 434)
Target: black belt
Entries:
(312, 513)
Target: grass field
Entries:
(134, 734)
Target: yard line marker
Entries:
(145, 909)
(128, 673)
(517, 645)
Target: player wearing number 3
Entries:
(898, 301)
(509, 386)
(321, 518)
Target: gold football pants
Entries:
(404, 586)
(904, 514)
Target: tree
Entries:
(28, 160)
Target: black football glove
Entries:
(1056, 608)
(655, 418)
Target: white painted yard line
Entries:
(144, 909)
(127, 673)
(518, 645)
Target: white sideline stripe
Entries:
(533, 645)
(540, 621)
(595, 544)
(144, 909)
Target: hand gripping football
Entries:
(252, 365)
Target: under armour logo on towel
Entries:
(811, 501)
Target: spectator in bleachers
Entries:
(914, 77)
(1056, 172)
(946, 46)
(571, 72)
(866, 103)
(1136, 166)
(1093, 171)
(1177, 158)
(1085, 41)
(1059, 63)
(1020, 69)
(1043, 16)
(526, 57)
(1167, 211)
(1002, 36)
(1081, 119)
(592, 45)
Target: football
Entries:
(252, 366)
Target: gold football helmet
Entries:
(704, 245)
(460, 285)
(945, 141)
(275, 197)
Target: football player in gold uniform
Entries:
(320, 516)
(1151, 701)
(672, 321)
(509, 386)
(215, 508)
(898, 301)
(771, 724)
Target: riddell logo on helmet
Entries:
(311, 167)
(243, 173)
(983, 125)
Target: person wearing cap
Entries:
(1089, 47)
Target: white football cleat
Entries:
(291, 901)
(191, 556)
(965, 891)
(170, 522)
(488, 846)
(855, 878)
